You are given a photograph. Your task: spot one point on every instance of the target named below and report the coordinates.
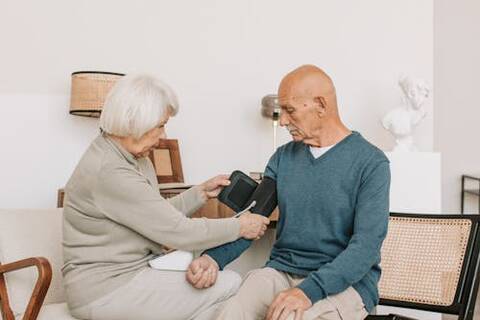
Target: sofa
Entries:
(32, 239)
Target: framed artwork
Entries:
(166, 161)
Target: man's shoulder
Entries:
(368, 151)
(290, 147)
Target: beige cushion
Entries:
(54, 311)
(29, 233)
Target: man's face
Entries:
(298, 115)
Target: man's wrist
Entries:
(304, 294)
(211, 259)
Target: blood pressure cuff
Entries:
(239, 195)
(243, 190)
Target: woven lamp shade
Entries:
(89, 90)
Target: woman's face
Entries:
(141, 147)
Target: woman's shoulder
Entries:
(98, 158)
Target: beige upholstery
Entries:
(29, 233)
(54, 311)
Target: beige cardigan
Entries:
(115, 220)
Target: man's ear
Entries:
(320, 105)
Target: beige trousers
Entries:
(261, 286)
(161, 295)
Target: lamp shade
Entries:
(270, 106)
(271, 110)
(89, 90)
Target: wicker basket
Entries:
(89, 90)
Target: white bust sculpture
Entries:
(403, 119)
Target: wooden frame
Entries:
(39, 291)
(166, 161)
(467, 288)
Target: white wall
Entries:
(222, 57)
(457, 108)
(457, 112)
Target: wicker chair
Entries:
(431, 263)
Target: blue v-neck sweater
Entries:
(333, 217)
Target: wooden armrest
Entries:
(39, 291)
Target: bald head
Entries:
(309, 107)
(309, 81)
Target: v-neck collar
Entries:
(328, 153)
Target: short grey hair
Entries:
(135, 105)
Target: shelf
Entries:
(474, 192)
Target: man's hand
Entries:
(286, 302)
(214, 186)
(202, 272)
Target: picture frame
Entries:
(166, 161)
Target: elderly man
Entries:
(333, 189)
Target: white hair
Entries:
(135, 105)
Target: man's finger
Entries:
(215, 275)
(195, 277)
(272, 307)
(209, 278)
(299, 314)
(189, 276)
(285, 313)
(195, 266)
(201, 282)
(212, 277)
(278, 311)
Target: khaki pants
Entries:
(261, 286)
(161, 295)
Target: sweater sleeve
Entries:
(189, 201)
(126, 197)
(363, 249)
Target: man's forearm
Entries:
(226, 253)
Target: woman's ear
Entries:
(320, 105)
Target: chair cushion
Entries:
(27, 233)
(54, 311)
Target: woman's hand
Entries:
(214, 186)
(253, 226)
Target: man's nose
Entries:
(284, 119)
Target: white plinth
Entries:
(415, 188)
(416, 182)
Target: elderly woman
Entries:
(115, 219)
